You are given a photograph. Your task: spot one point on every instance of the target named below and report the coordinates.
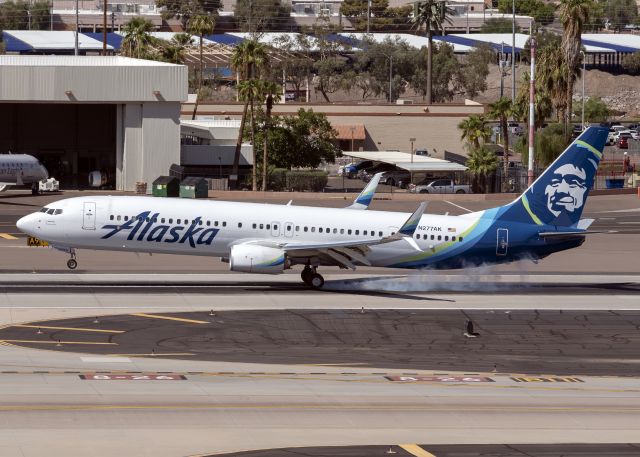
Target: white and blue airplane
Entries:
(268, 238)
(21, 170)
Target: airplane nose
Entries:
(24, 224)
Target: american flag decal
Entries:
(452, 229)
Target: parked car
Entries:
(351, 170)
(611, 137)
(368, 173)
(440, 186)
(623, 142)
(515, 129)
(422, 152)
(397, 177)
(621, 133)
(635, 135)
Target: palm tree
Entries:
(175, 51)
(573, 15)
(248, 57)
(251, 91)
(474, 130)
(481, 162)
(201, 25)
(272, 93)
(502, 109)
(432, 14)
(137, 37)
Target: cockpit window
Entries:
(44, 210)
(58, 211)
(51, 211)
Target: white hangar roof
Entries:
(90, 79)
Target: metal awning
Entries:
(348, 132)
(441, 165)
(403, 160)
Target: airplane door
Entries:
(275, 229)
(288, 229)
(502, 243)
(89, 216)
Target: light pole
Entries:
(75, 48)
(532, 112)
(390, 77)
(513, 53)
(353, 129)
(411, 171)
(584, 76)
(368, 16)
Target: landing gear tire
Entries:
(72, 264)
(305, 275)
(316, 280)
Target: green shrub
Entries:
(278, 179)
(307, 180)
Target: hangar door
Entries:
(71, 140)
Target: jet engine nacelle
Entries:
(98, 178)
(251, 258)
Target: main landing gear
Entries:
(311, 278)
(72, 263)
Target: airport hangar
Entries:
(80, 114)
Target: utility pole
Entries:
(501, 65)
(513, 54)
(75, 49)
(390, 77)
(584, 76)
(113, 20)
(104, 28)
(368, 16)
(532, 112)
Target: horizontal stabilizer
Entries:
(574, 234)
(584, 224)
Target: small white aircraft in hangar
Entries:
(21, 170)
(267, 238)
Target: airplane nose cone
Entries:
(24, 224)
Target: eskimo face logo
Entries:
(566, 190)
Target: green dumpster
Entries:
(166, 186)
(193, 187)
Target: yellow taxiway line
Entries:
(6, 236)
(68, 328)
(416, 450)
(169, 318)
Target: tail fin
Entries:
(558, 196)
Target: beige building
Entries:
(81, 114)
(376, 127)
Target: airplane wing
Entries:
(363, 200)
(346, 253)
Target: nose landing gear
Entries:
(311, 278)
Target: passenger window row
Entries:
(163, 220)
(439, 237)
